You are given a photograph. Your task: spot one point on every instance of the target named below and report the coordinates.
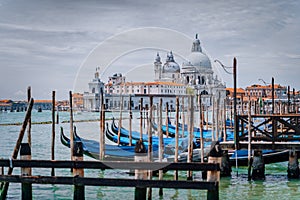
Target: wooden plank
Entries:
(262, 145)
(110, 165)
(114, 182)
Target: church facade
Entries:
(194, 77)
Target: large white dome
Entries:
(197, 59)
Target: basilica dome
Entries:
(197, 59)
(170, 66)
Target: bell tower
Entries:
(157, 67)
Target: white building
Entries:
(194, 77)
(91, 99)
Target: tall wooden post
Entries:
(140, 156)
(273, 96)
(141, 118)
(289, 99)
(176, 137)
(191, 135)
(53, 132)
(150, 150)
(167, 119)
(215, 156)
(71, 125)
(102, 127)
(225, 118)
(120, 120)
(294, 101)
(249, 140)
(25, 154)
(183, 118)
(161, 144)
(78, 172)
(258, 170)
(201, 128)
(293, 165)
(236, 125)
(29, 121)
(213, 120)
(130, 122)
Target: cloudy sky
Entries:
(48, 45)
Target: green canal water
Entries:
(276, 185)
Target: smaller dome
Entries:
(171, 66)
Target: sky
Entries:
(58, 45)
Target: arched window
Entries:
(204, 92)
(202, 80)
(187, 79)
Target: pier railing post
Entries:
(293, 165)
(215, 156)
(25, 154)
(140, 156)
(78, 156)
(258, 170)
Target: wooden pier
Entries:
(273, 131)
(212, 187)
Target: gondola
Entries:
(136, 135)
(169, 143)
(91, 148)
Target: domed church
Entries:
(196, 73)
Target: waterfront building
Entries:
(77, 101)
(264, 92)
(6, 104)
(91, 99)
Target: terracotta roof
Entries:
(238, 90)
(42, 101)
(256, 86)
(5, 101)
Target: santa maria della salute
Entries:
(194, 77)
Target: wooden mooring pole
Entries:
(120, 120)
(130, 121)
(53, 132)
(183, 118)
(25, 154)
(293, 165)
(102, 127)
(150, 149)
(249, 141)
(191, 135)
(161, 142)
(176, 137)
(141, 118)
(71, 125)
(140, 193)
(79, 193)
(29, 121)
(215, 156)
(258, 170)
